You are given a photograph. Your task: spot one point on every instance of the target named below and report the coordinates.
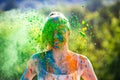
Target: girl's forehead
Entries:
(56, 21)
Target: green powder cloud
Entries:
(20, 37)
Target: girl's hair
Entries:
(55, 22)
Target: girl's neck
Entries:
(61, 51)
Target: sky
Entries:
(37, 4)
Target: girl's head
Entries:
(55, 30)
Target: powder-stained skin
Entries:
(58, 63)
(72, 67)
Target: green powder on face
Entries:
(58, 24)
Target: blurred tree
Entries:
(93, 5)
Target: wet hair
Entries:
(56, 21)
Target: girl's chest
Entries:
(58, 67)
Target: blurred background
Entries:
(95, 26)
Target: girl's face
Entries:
(60, 37)
(57, 26)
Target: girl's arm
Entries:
(30, 71)
(87, 69)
